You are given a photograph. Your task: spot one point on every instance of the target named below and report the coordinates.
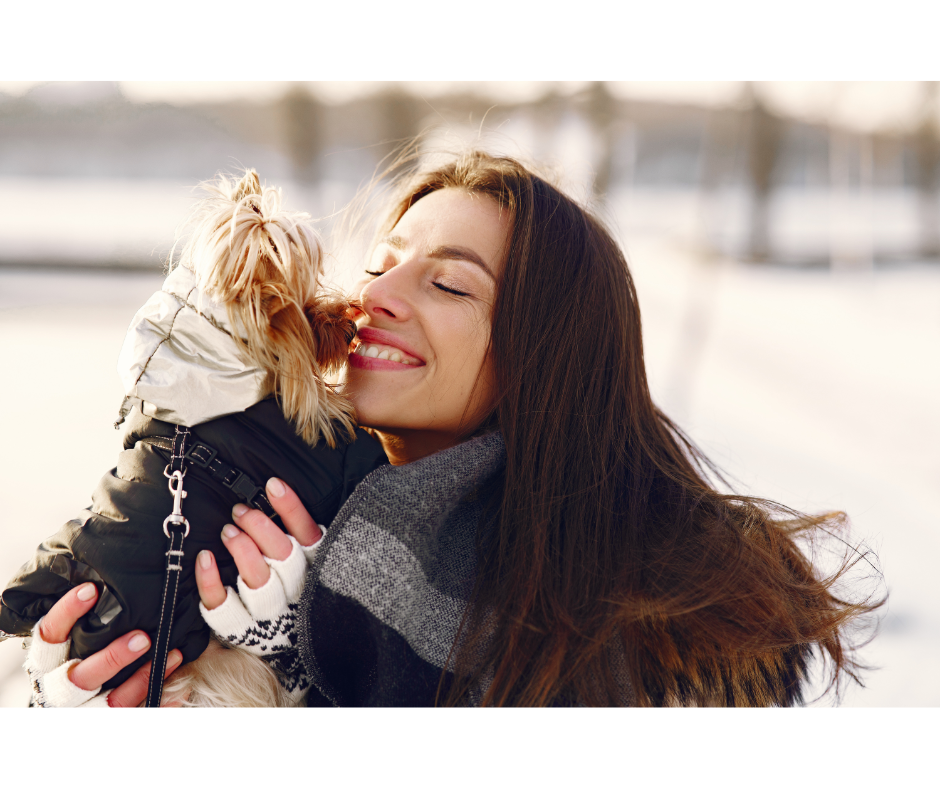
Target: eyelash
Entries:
(436, 284)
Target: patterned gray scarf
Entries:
(384, 599)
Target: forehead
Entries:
(456, 217)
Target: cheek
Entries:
(463, 340)
(465, 375)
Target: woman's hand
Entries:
(272, 565)
(60, 682)
(258, 543)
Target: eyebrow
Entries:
(445, 253)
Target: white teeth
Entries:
(372, 351)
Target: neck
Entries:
(402, 447)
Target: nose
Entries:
(385, 297)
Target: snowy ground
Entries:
(817, 389)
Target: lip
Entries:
(368, 335)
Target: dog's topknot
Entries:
(243, 238)
(249, 184)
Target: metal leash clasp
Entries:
(176, 517)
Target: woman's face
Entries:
(419, 373)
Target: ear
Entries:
(332, 330)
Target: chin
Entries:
(369, 412)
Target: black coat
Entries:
(119, 542)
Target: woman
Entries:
(571, 545)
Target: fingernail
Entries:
(230, 531)
(174, 659)
(86, 592)
(138, 643)
(205, 559)
(239, 509)
(275, 488)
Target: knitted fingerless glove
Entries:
(262, 620)
(48, 666)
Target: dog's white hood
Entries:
(180, 363)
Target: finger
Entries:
(251, 564)
(298, 522)
(95, 670)
(211, 591)
(58, 622)
(270, 539)
(133, 691)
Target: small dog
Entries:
(242, 317)
(264, 266)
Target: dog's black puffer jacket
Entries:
(119, 542)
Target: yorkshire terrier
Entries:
(238, 346)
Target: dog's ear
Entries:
(332, 330)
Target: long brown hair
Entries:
(610, 554)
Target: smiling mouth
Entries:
(386, 353)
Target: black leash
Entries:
(176, 527)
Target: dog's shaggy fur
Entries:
(225, 677)
(265, 265)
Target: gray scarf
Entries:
(384, 599)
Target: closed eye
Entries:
(448, 289)
(438, 285)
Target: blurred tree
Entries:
(601, 112)
(400, 117)
(765, 134)
(721, 138)
(927, 154)
(546, 113)
(302, 122)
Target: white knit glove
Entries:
(261, 620)
(48, 666)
